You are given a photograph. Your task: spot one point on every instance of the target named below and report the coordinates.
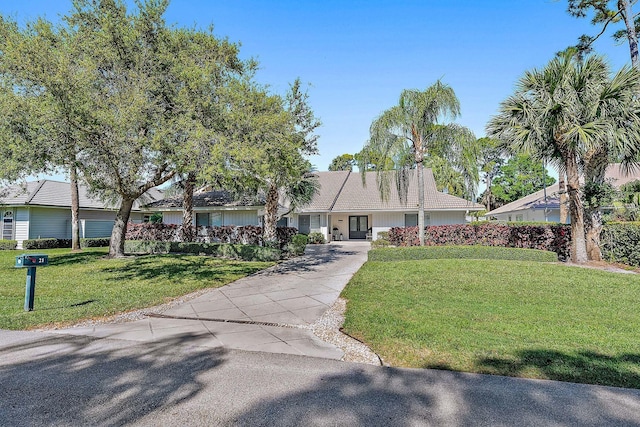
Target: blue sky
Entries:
(358, 56)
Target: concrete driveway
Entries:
(267, 311)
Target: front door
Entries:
(304, 224)
(358, 227)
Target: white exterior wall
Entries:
(21, 221)
(50, 223)
(99, 215)
(172, 217)
(532, 215)
(95, 228)
(447, 218)
(383, 221)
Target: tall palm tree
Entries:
(561, 113)
(406, 134)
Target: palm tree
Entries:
(405, 135)
(562, 113)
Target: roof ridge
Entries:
(335, 199)
(35, 191)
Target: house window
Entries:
(314, 222)
(216, 219)
(509, 218)
(283, 222)
(411, 220)
(520, 217)
(7, 225)
(202, 219)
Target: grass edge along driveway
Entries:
(86, 285)
(515, 318)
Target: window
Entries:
(509, 218)
(315, 222)
(216, 219)
(202, 219)
(411, 220)
(520, 217)
(7, 225)
(283, 222)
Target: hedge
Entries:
(222, 250)
(546, 237)
(620, 242)
(7, 245)
(247, 235)
(460, 252)
(95, 242)
(50, 243)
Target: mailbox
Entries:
(31, 260)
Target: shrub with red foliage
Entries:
(548, 237)
(247, 235)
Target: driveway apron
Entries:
(267, 311)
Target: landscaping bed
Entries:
(515, 318)
(86, 285)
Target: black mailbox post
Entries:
(31, 261)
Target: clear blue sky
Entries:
(359, 55)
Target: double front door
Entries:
(358, 227)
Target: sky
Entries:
(357, 56)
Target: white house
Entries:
(42, 209)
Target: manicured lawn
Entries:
(516, 318)
(85, 285)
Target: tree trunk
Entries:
(269, 232)
(420, 168)
(488, 193)
(75, 210)
(593, 227)
(578, 242)
(563, 197)
(116, 246)
(627, 13)
(187, 208)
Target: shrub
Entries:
(461, 252)
(543, 236)
(7, 245)
(96, 242)
(380, 243)
(316, 238)
(298, 244)
(221, 250)
(40, 244)
(620, 242)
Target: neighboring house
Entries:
(42, 209)
(533, 206)
(343, 208)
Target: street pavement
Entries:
(63, 380)
(193, 369)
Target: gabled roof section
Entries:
(352, 195)
(331, 184)
(532, 201)
(58, 194)
(213, 198)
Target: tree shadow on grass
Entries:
(66, 380)
(74, 258)
(580, 367)
(176, 267)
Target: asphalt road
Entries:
(58, 380)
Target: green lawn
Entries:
(516, 318)
(85, 285)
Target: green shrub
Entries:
(380, 243)
(316, 238)
(41, 244)
(7, 245)
(221, 250)
(460, 252)
(298, 244)
(620, 242)
(96, 242)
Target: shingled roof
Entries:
(214, 198)
(55, 193)
(345, 192)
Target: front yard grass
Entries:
(515, 318)
(85, 285)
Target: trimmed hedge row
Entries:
(461, 252)
(247, 235)
(546, 237)
(8, 245)
(52, 243)
(222, 250)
